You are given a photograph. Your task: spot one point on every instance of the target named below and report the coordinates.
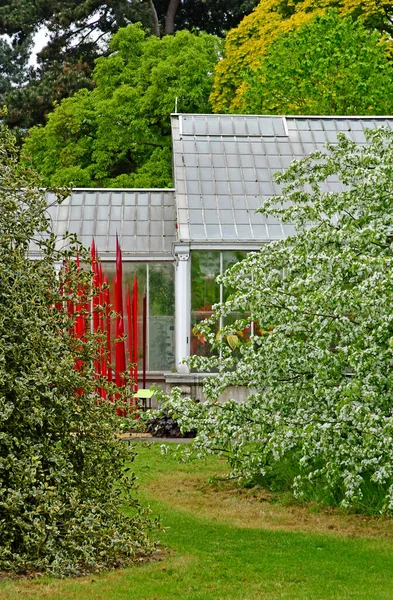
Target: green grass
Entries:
(211, 559)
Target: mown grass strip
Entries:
(212, 559)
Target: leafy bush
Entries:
(62, 470)
(319, 361)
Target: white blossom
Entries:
(320, 364)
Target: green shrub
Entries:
(62, 475)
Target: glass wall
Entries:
(156, 280)
(161, 322)
(205, 268)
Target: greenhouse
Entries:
(176, 241)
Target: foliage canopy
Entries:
(118, 135)
(319, 362)
(331, 66)
(62, 469)
(246, 44)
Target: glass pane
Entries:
(243, 331)
(162, 317)
(162, 289)
(130, 270)
(205, 267)
(199, 345)
(230, 258)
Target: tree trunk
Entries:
(170, 16)
(154, 18)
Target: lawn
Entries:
(232, 544)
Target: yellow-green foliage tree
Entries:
(247, 43)
(331, 66)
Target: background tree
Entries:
(246, 44)
(119, 134)
(212, 16)
(39, 90)
(79, 32)
(62, 470)
(319, 363)
(331, 66)
(13, 58)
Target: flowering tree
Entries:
(319, 360)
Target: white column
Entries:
(182, 306)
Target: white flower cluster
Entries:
(320, 360)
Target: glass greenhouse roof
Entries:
(224, 166)
(144, 220)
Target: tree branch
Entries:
(154, 17)
(170, 17)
